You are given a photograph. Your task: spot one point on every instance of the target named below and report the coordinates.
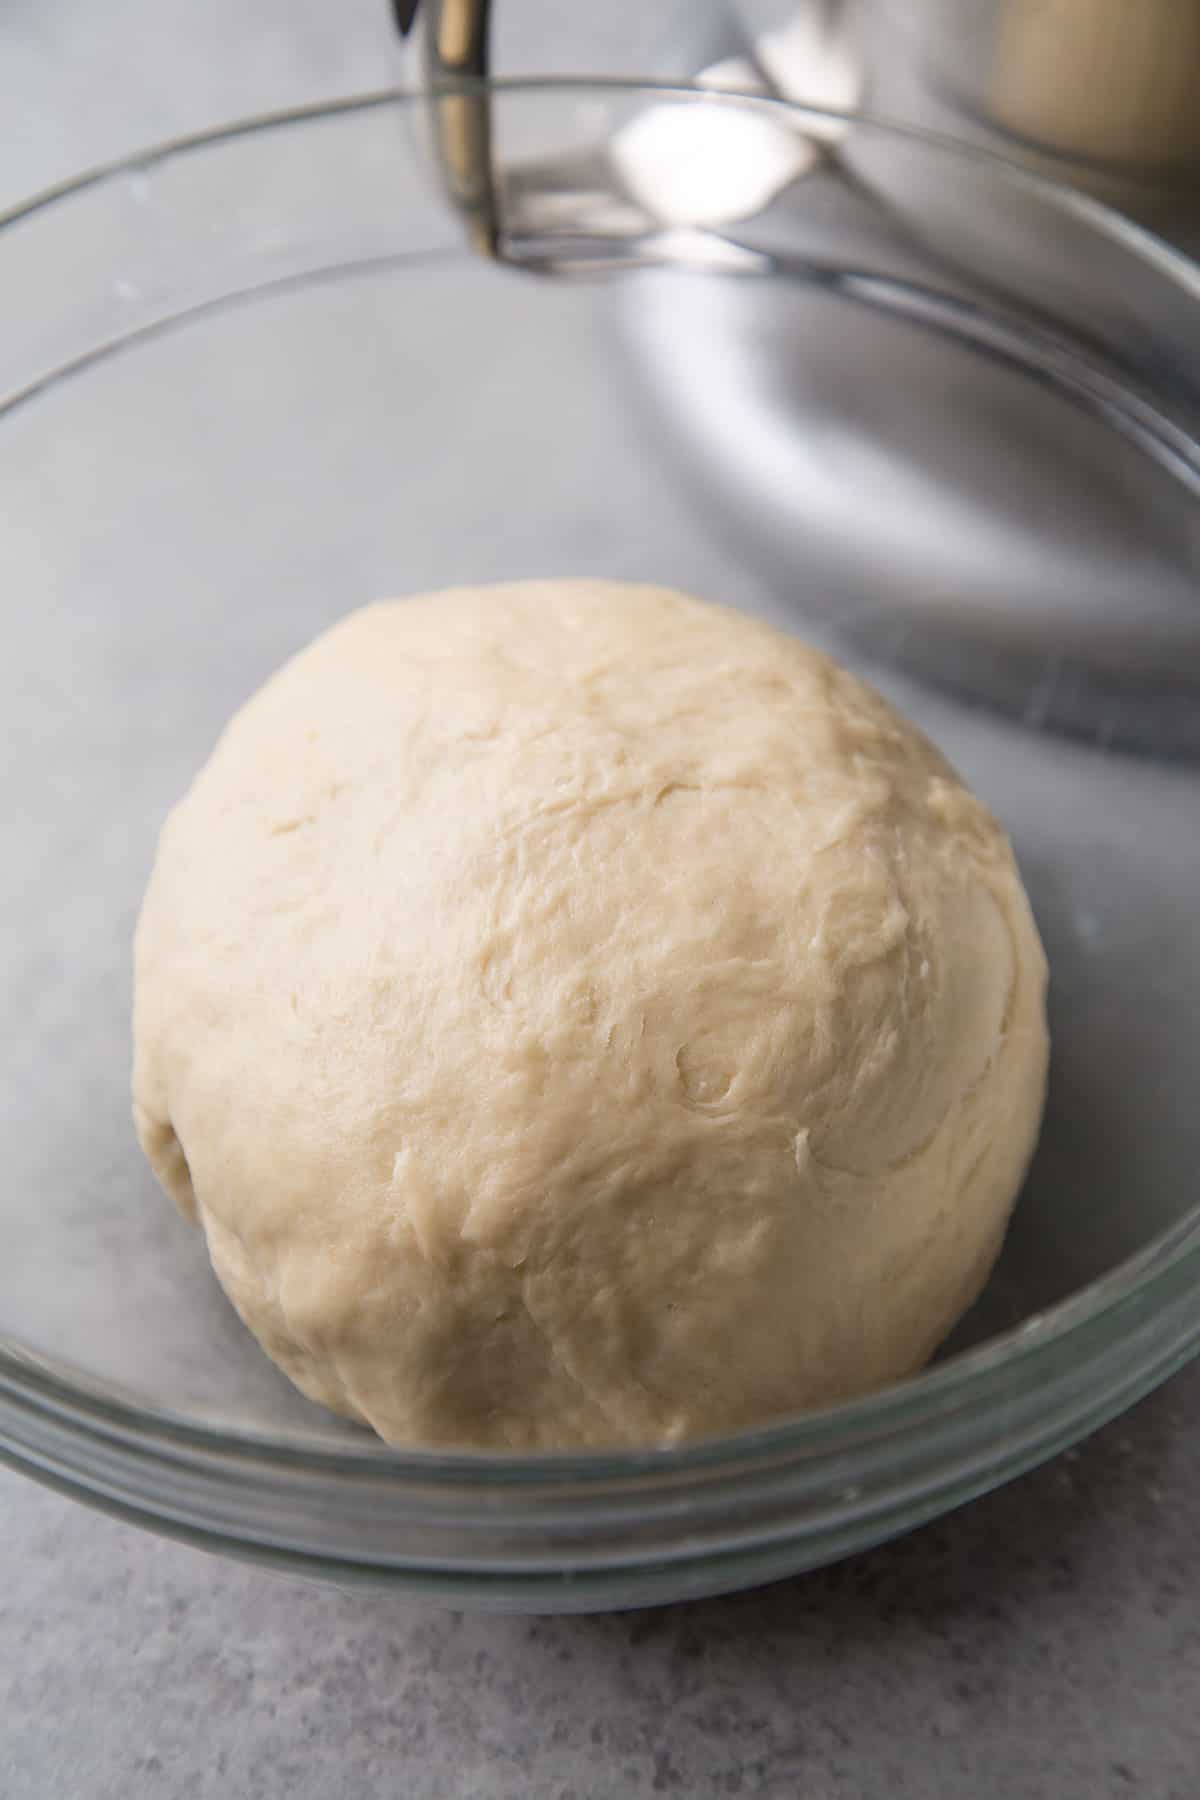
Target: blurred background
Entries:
(81, 84)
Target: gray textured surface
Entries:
(1042, 1642)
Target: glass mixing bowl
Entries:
(905, 399)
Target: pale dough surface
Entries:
(580, 1015)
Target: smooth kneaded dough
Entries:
(580, 1015)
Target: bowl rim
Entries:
(1107, 218)
(1155, 1279)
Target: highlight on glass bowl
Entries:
(602, 683)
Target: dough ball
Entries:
(580, 1015)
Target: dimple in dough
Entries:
(580, 1015)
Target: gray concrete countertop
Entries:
(1040, 1644)
(1044, 1641)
